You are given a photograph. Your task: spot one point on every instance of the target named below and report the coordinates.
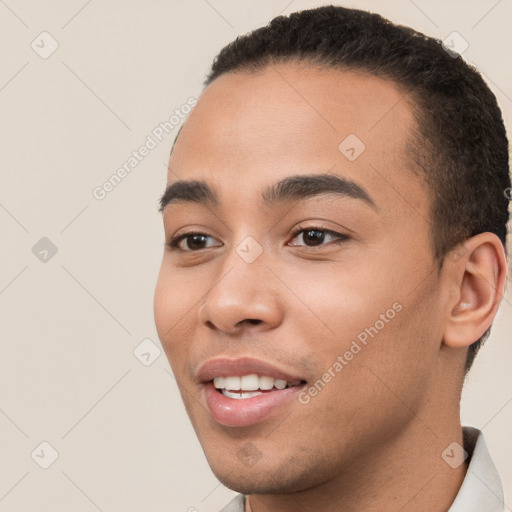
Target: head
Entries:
(346, 222)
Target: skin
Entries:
(372, 438)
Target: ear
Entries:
(479, 276)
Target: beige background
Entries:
(68, 374)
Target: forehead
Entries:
(249, 130)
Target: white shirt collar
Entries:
(481, 490)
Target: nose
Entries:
(245, 296)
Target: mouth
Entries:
(244, 392)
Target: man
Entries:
(335, 219)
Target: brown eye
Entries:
(315, 236)
(193, 242)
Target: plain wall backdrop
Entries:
(82, 86)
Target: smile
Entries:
(249, 386)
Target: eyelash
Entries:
(174, 242)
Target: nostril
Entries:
(254, 321)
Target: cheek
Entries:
(367, 314)
(163, 305)
(339, 301)
(173, 305)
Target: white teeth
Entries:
(232, 383)
(250, 382)
(266, 383)
(241, 396)
(280, 384)
(218, 382)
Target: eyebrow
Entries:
(291, 188)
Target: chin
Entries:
(286, 478)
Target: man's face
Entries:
(355, 316)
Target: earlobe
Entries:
(479, 277)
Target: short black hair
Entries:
(460, 147)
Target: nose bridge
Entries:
(245, 266)
(241, 291)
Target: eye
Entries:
(193, 240)
(315, 236)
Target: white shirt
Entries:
(481, 490)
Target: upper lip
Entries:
(225, 367)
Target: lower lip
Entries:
(233, 412)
